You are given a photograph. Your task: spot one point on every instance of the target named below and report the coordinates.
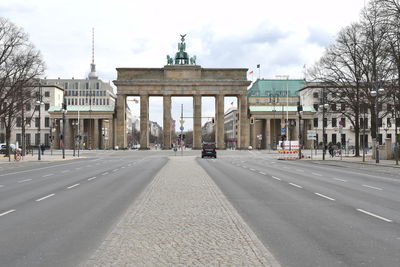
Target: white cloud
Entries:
(282, 36)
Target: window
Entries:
(28, 122)
(47, 122)
(19, 121)
(28, 107)
(334, 141)
(65, 85)
(389, 107)
(379, 122)
(97, 85)
(47, 94)
(334, 123)
(380, 106)
(46, 106)
(108, 102)
(343, 122)
(28, 139)
(37, 139)
(315, 95)
(47, 139)
(76, 85)
(333, 107)
(343, 139)
(342, 107)
(325, 122)
(18, 139)
(37, 122)
(389, 122)
(364, 123)
(69, 101)
(315, 106)
(87, 85)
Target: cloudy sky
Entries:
(282, 36)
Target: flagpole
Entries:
(259, 71)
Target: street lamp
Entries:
(376, 94)
(287, 104)
(39, 103)
(323, 107)
(64, 111)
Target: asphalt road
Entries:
(57, 214)
(305, 213)
(310, 214)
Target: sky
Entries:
(282, 36)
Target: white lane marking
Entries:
(92, 178)
(105, 173)
(1, 185)
(317, 174)
(276, 178)
(374, 215)
(65, 171)
(72, 186)
(373, 187)
(115, 170)
(263, 173)
(251, 169)
(321, 195)
(78, 168)
(26, 180)
(7, 212)
(341, 180)
(47, 175)
(298, 170)
(42, 168)
(122, 167)
(244, 167)
(40, 199)
(296, 185)
(273, 162)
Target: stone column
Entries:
(253, 135)
(167, 121)
(244, 128)
(121, 121)
(219, 117)
(56, 133)
(95, 134)
(68, 134)
(266, 135)
(197, 122)
(111, 134)
(144, 122)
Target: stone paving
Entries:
(182, 219)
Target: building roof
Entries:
(277, 87)
(280, 108)
(83, 108)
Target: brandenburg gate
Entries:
(182, 77)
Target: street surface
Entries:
(156, 208)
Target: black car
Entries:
(208, 150)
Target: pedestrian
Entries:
(42, 148)
(330, 148)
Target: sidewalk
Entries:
(182, 219)
(47, 157)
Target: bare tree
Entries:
(21, 65)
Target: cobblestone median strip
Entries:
(182, 219)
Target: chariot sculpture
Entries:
(181, 57)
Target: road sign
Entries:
(181, 128)
(283, 130)
(311, 135)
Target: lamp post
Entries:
(287, 105)
(63, 110)
(376, 94)
(39, 102)
(324, 107)
(364, 125)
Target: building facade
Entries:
(274, 115)
(231, 125)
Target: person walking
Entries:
(42, 148)
(330, 149)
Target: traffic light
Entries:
(212, 120)
(252, 120)
(64, 106)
